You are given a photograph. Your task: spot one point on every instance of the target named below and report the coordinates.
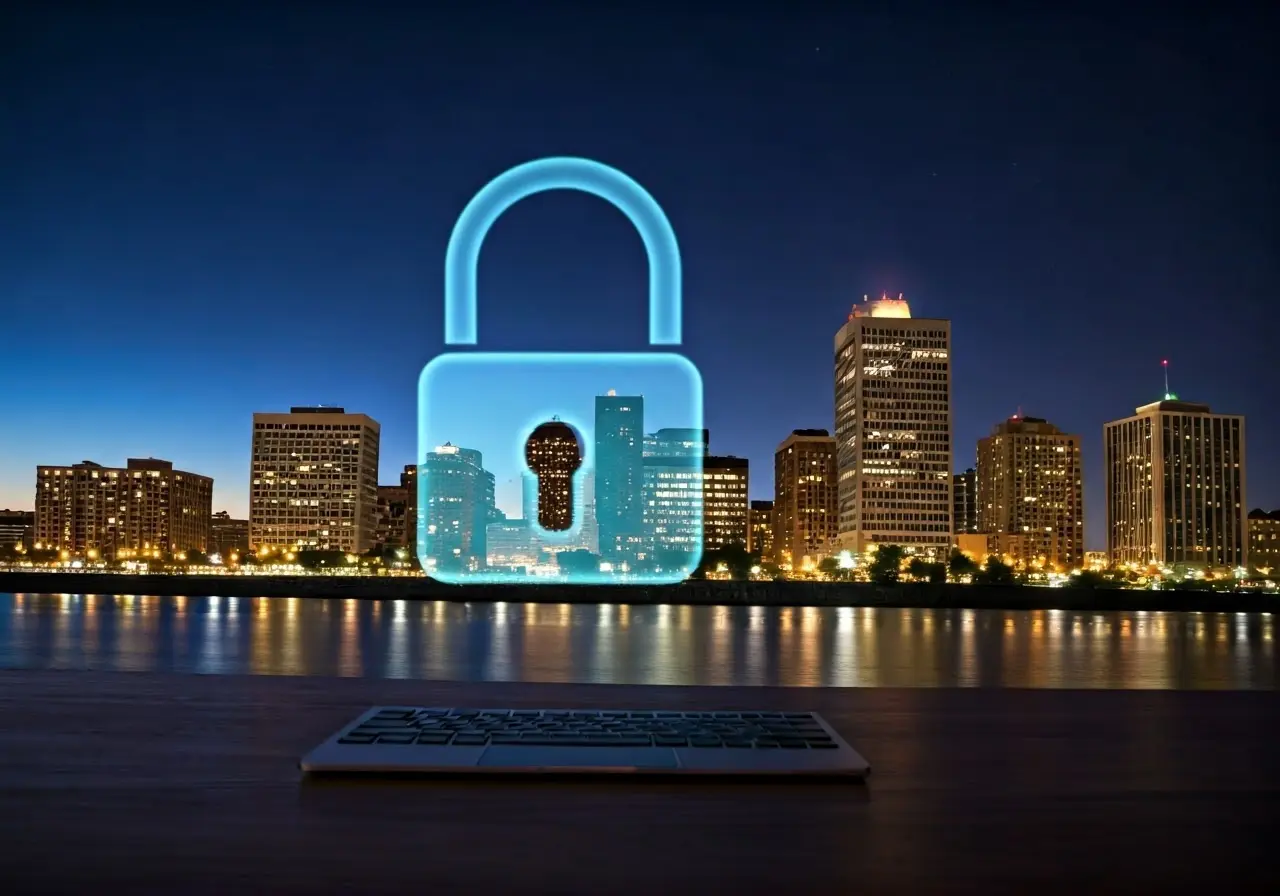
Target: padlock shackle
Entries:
(562, 173)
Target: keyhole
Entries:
(554, 454)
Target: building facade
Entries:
(726, 515)
(227, 536)
(760, 530)
(1031, 486)
(619, 475)
(456, 500)
(893, 429)
(1176, 486)
(806, 504)
(1264, 541)
(964, 515)
(391, 526)
(144, 506)
(17, 529)
(314, 480)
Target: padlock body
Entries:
(636, 520)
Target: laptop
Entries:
(445, 740)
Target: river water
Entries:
(623, 644)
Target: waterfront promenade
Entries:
(176, 783)
(696, 593)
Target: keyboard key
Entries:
(704, 741)
(354, 738)
(470, 740)
(435, 739)
(398, 738)
(666, 740)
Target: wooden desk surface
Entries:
(188, 784)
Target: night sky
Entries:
(211, 215)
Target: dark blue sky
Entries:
(211, 215)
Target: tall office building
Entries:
(760, 530)
(228, 536)
(726, 515)
(1176, 486)
(1264, 540)
(893, 429)
(1030, 486)
(314, 480)
(553, 453)
(964, 516)
(674, 474)
(806, 497)
(17, 529)
(619, 475)
(457, 505)
(146, 505)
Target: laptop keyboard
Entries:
(592, 728)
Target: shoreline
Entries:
(692, 593)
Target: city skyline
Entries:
(512, 494)
(175, 267)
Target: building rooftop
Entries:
(1173, 404)
(881, 307)
(1259, 514)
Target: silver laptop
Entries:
(409, 739)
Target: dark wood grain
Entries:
(188, 784)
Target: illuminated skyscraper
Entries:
(893, 429)
(725, 508)
(456, 501)
(619, 475)
(805, 505)
(1176, 486)
(314, 480)
(1030, 486)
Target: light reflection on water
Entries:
(805, 646)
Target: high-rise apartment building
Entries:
(760, 530)
(806, 498)
(619, 475)
(314, 480)
(457, 505)
(1264, 540)
(146, 505)
(1030, 486)
(893, 429)
(964, 516)
(17, 529)
(1176, 486)
(726, 515)
(228, 536)
(552, 452)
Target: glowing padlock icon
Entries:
(636, 519)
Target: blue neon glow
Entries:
(562, 173)
(462, 394)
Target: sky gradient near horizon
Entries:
(212, 215)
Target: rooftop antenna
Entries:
(1168, 396)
